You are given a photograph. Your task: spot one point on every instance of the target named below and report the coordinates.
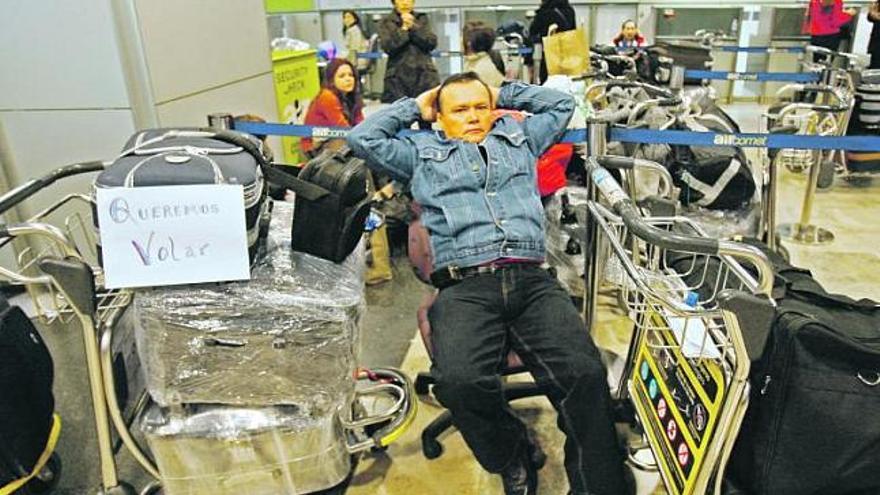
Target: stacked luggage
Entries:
(249, 377)
(252, 380)
(866, 122)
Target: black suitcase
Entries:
(812, 425)
(185, 156)
(329, 215)
(27, 404)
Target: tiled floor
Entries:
(850, 265)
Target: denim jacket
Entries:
(475, 212)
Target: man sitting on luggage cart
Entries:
(476, 185)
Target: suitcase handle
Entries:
(871, 383)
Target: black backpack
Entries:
(720, 182)
(331, 205)
(27, 404)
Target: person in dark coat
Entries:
(558, 12)
(874, 44)
(407, 38)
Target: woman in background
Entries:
(479, 56)
(355, 40)
(339, 104)
(629, 36)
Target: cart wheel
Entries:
(48, 477)
(826, 174)
(431, 448)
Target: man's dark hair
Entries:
(463, 77)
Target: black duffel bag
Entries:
(331, 204)
(329, 216)
(812, 425)
(721, 181)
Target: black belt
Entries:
(452, 274)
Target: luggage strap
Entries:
(711, 193)
(306, 190)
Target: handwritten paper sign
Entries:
(171, 235)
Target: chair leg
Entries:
(424, 380)
(431, 447)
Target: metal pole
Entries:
(771, 205)
(804, 232)
(596, 144)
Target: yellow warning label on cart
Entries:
(678, 401)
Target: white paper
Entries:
(692, 337)
(170, 235)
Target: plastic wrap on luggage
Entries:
(220, 450)
(287, 336)
(725, 224)
(565, 214)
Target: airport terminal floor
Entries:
(850, 265)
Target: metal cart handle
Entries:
(29, 188)
(624, 207)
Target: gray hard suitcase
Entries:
(187, 156)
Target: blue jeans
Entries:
(522, 307)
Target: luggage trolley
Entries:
(55, 258)
(694, 307)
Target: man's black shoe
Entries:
(520, 477)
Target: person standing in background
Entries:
(826, 17)
(479, 56)
(629, 36)
(558, 12)
(874, 43)
(355, 40)
(407, 38)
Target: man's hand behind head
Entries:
(427, 104)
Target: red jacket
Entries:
(326, 111)
(827, 20)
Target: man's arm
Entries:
(375, 139)
(551, 111)
(392, 37)
(421, 34)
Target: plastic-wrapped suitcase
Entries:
(220, 450)
(287, 336)
(173, 157)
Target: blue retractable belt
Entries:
(762, 49)
(642, 136)
(445, 53)
(752, 76)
